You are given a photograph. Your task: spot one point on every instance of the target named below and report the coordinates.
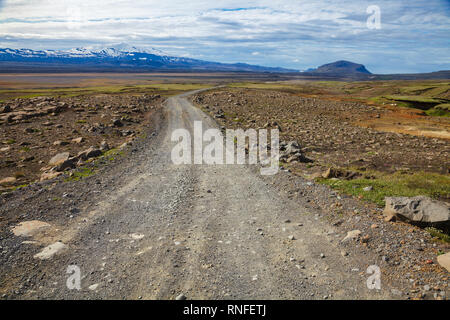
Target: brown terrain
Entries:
(142, 227)
(333, 133)
(35, 130)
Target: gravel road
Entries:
(155, 230)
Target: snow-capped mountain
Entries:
(108, 58)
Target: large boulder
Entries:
(420, 210)
(444, 261)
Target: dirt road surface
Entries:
(150, 229)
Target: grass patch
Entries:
(434, 185)
(111, 154)
(19, 187)
(165, 89)
(441, 110)
(439, 234)
(10, 141)
(82, 173)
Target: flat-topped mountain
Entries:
(342, 67)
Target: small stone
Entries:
(180, 297)
(117, 123)
(352, 235)
(291, 237)
(93, 287)
(396, 292)
(60, 143)
(78, 140)
(8, 180)
(59, 158)
(368, 188)
(365, 239)
(49, 251)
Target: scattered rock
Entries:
(78, 140)
(117, 123)
(93, 287)
(50, 175)
(5, 109)
(49, 251)
(8, 180)
(59, 158)
(444, 261)
(420, 209)
(92, 152)
(60, 143)
(180, 297)
(68, 164)
(29, 228)
(137, 236)
(352, 235)
(104, 146)
(331, 173)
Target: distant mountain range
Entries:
(125, 58)
(112, 58)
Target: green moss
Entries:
(80, 174)
(438, 234)
(111, 154)
(165, 89)
(398, 184)
(10, 141)
(441, 110)
(19, 187)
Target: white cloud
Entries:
(282, 32)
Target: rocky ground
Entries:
(327, 131)
(36, 130)
(141, 227)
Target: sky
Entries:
(412, 35)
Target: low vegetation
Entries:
(164, 89)
(434, 185)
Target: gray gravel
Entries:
(144, 228)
